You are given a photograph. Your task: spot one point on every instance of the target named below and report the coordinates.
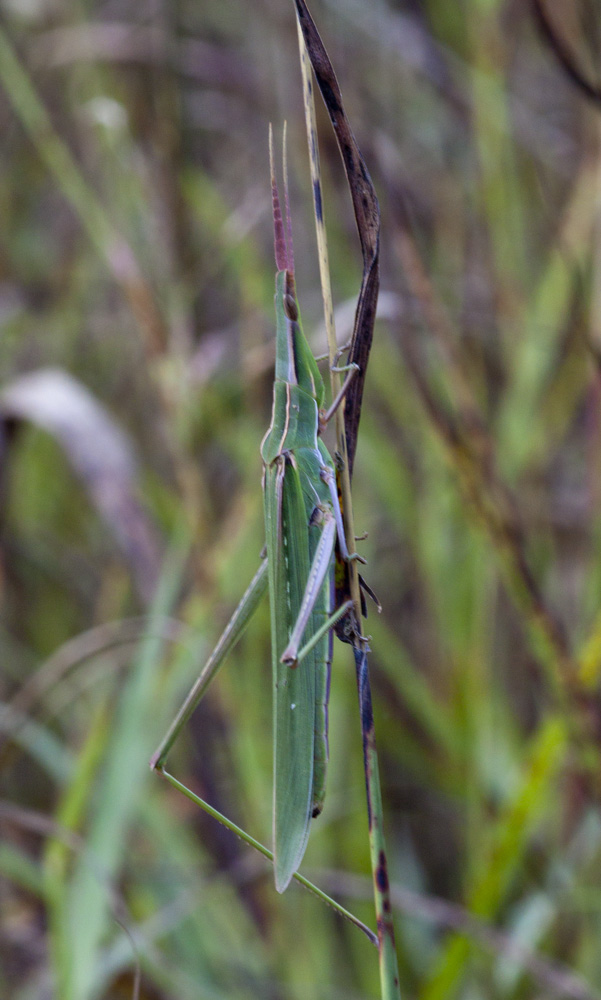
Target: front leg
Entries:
(329, 479)
(315, 580)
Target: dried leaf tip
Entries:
(282, 235)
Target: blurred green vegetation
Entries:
(136, 258)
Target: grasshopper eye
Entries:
(291, 308)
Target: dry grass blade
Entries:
(367, 216)
(565, 57)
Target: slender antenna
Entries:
(279, 236)
(289, 243)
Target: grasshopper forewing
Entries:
(302, 522)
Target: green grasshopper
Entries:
(302, 523)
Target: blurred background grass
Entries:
(136, 258)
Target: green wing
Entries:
(294, 689)
(293, 490)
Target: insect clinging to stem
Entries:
(303, 521)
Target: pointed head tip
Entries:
(279, 234)
(289, 243)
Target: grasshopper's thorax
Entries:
(294, 361)
(298, 388)
(294, 422)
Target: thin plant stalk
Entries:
(389, 976)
